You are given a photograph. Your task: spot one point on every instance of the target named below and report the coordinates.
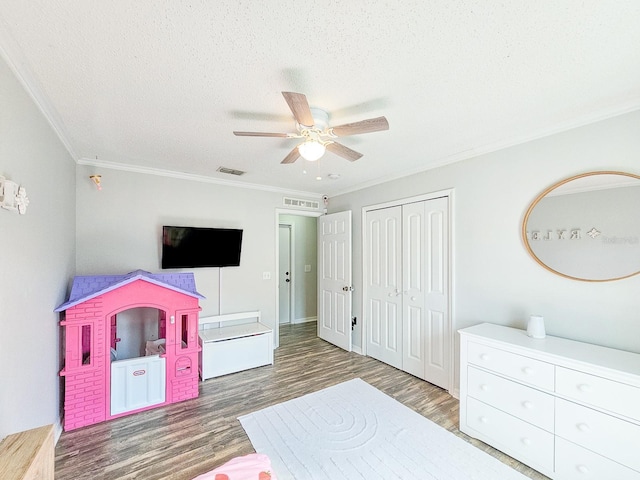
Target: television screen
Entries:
(189, 247)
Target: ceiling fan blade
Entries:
(363, 126)
(260, 134)
(292, 156)
(299, 107)
(343, 151)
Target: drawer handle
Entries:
(483, 420)
(583, 427)
(484, 356)
(583, 387)
(582, 469)
(527, 371)
(484, 388)
(527, 404)
(526, 441)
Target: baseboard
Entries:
(356, 349)
(304, 320)
(455, 393)
(57, 431)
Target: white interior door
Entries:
(413, 284)
(407, 296)
(334, 279)
(284, 274)
(436, 321)
(426, 293)
(384, 285)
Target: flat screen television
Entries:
(194, 247)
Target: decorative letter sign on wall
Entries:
(586, 227)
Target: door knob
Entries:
(347, 289)
(287, 280)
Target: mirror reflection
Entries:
(587, 227)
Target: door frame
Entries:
(449, 193)
(278, 212)
(292, 257)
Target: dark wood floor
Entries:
(183, 440)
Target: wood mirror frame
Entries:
(631, 242)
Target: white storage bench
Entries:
(232, 343)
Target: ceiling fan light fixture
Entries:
(311, 150)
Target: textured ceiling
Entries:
(160, 85)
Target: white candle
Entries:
(535, 327)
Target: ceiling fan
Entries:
(312, 126)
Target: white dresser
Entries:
(568, 409)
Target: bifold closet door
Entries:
(413, 288)
(425, 295)
(384, 285)
(407, 288)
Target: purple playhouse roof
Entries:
(87, 287)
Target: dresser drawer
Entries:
(609, 436)
(576, 463)
(524, 402)
(520, 439)
(600, 392)
(518, 367)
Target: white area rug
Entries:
(354, 431)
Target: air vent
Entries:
(231, 171)
(296, 202)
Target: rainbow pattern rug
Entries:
(354, 431)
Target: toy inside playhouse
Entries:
(131, 343)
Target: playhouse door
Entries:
(137, 383)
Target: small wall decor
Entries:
(13, 197)
(97, 180)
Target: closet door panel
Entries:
(413, 358)
(413, 280)
(384, 294)
(437, 334)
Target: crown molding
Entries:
(16, 60)
(631, 106)
(193, 177)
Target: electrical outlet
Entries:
(266, 275)
(307, 268)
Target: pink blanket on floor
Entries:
(255, 466)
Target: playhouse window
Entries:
(185, 331)
(86, 344)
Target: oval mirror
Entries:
(587, 227)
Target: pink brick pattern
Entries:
(87, 367)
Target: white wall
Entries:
(305, 246)
(119, 230)
(495, 280)
(36, 260)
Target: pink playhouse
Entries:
(130, 343)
